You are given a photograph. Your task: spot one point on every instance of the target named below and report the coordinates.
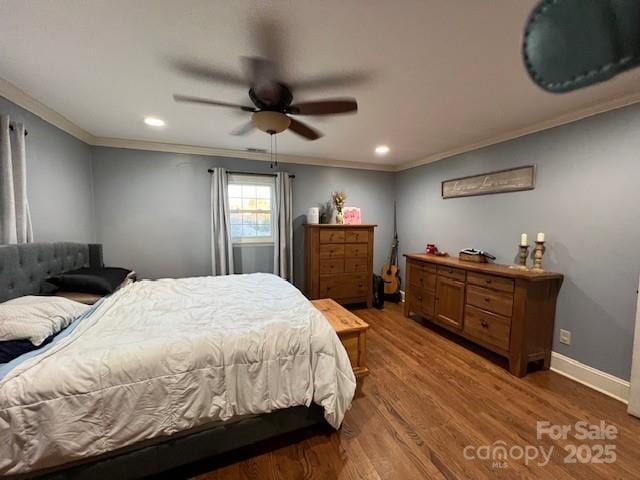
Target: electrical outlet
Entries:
(565, 337)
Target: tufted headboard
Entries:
(24, 267)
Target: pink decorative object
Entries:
(352, 216)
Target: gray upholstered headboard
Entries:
(24, 267)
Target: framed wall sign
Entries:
(500, 181)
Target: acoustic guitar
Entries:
(390, 272)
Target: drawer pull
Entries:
(487, 299)
(420, 298)
(488, 280)
(484, 323)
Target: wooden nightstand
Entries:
(352, 332)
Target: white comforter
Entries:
(165, 356)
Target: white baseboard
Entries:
(601, 381)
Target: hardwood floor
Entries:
(426, 399)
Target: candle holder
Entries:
(522, 258)
(523, 253)
(538, 252)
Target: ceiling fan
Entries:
(272, 97)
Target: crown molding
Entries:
(232, 153)
(26, 101)
(521, 132)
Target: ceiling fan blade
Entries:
(353, 79)
(268, 38)
(324, 107)
(208, 73)
(206, 101)
(243, 129)
(304, 130)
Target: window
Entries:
(251, 208)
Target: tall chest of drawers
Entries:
(508, 311)
(339, 262)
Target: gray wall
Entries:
(152, 209)
(59, 182)
(586, 200)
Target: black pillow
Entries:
(11, 349)
(91, 280)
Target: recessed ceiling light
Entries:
(382, 150)
(154, 122)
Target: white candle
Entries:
(523, 240)
(541, 237)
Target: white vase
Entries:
(339, 217)
(313, 215)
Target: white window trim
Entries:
(260, 180)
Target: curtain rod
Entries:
(253, 173)
(12, 129)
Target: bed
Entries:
(163, 373)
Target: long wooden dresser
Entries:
(339, 262)
(506, 310)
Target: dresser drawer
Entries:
(332, 236)
(422, 278)
(331, 250)
(344, 286)
(355, 250)
(489, 328)
(454, 273)
(357, 236)
(491, 281)
(355, 265)
(332, 265)
(491, 300)
(421, 301)
(426, 267)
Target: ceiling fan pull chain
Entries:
(275, 140)
(271, 150)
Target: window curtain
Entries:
(15, 219)
(221, 246)
(634, 394)
(283, 227)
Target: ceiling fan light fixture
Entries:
(271, 122)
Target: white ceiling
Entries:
(444, 74)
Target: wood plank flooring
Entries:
(426, 399)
